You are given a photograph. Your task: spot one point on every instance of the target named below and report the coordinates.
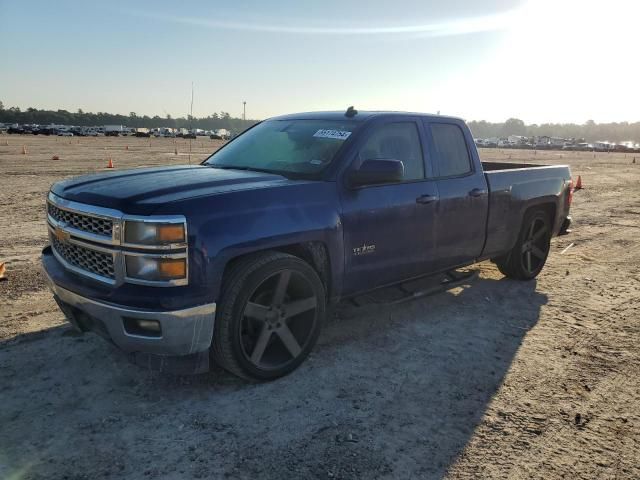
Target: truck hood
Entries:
(142, 190)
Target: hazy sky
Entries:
(539, 60)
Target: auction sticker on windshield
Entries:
(337, 134)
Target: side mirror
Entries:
(374, 172)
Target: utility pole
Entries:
(244, 110)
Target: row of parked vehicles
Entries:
(113, 131)
(43, 130)
(554, 143)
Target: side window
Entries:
(397, 141)
(451, 149)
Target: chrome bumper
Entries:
(182, 332)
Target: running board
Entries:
(451, 280)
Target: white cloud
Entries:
(460, 26)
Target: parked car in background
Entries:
(220, 134)
(113, 130)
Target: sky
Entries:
(538, 60)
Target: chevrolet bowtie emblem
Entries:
(61, 235)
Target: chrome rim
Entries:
(278, 320)
(535, 246)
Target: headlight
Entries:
(155, 269)
(148, 233)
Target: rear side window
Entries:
(451, 150)
(396, 141)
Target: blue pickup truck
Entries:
(236, 260)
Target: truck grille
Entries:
(86, 223)
(92, 261)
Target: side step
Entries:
(411, 290)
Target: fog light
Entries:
(142, 327)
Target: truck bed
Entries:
(514, 187)
(492, 166)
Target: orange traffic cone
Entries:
(110, 164)
(24, 150)
(3, 271)
(578, 184)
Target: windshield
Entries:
(285, 146)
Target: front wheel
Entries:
(528, 256)
(270, 315)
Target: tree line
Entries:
(589, 131)
(88, 119)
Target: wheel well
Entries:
(549, 208)
(315, 254)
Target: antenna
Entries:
(190, 122)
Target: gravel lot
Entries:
(494, 379)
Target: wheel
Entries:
(270, 315)
(528, 256)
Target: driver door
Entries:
(388, 234)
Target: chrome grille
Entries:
(92, 261)
(86, 223)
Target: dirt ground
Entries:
(495, 379)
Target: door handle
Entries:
(477, 192)
(424, 199)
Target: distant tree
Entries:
(1, 106)
(514, 126)
(80, 112)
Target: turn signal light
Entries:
(570, 191)
(170, 233)
(173, 268)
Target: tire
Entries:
(269, 317)
(528, 256)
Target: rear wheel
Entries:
(269, 317)
(528, 256)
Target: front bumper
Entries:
(185, 332)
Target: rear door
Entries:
(388, 229)
(464, 196)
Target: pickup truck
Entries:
(237, 260)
